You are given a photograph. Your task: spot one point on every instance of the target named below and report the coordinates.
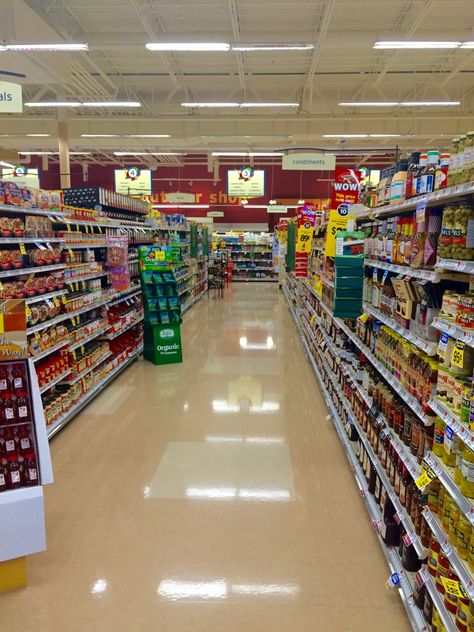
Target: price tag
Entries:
(84, 286)
(393, 580)
(70, 253)
(87, 228)
(422, 481)
(40, 246)
(37, 336)
(27, 312)
(408, 539)
(22, 249)
(63, 300)
(448, 439)
(55, 301)
(312, 319)
(457, 357)
(68, 227)
(73, 321)
(454, 588)
(73, 353)
(82, 349)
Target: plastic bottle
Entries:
(441, 176)
(464, 533)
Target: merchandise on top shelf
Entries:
(115, 205)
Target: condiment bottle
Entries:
(417, 182)
(25, 444)
(441, 176)
(3, 477)
(429, 172)
(453, 524)
(19, 379)
(428, 608)
(433, 554)
(30, 470)
(467, 481)
(419, 594)
(450, 600)
(13, 475)
(464, 532)
(443, 571)
(412, 169)
(10, 445)
(471, 553)
(4, 381)
(462, 614)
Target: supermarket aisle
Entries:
(211, 495)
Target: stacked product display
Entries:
(251, 256)
(71, 258)
(398, 380)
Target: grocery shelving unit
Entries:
(251, 256)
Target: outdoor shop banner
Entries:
(346, 187)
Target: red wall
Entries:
(286, 185)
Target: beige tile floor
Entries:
(212, 495)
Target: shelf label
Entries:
(425, 479)
(22, 249)
(55, 301)
(40, 246)
(448, 439)
(68, 227)
(27, 312)
(394, 580)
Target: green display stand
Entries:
(291, 249)
(162, 330)
(162, 344)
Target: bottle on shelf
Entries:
(411, 171)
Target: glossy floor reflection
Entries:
(212, 495)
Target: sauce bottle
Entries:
(453, 163)
(471, 553)
(433, 554)
(9, 410)
(19, 379)
(467, 480)
(429, 173)
(13, 475)
(10, 445)
(441, 176)
(411, 171)
(410, 559)
(4, 381)
(3, 477)
(443, 571)
(25, 445)
(417, 188)
(428, 608)
(30, 470)
(451, 601)
(464, 532)
(453, 524)
(23, 408)
(462, 614)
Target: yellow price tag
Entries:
(27, 312)
(37, 336)
(78, 318)
(453, 587)
(422, 481)
(71, 254)
(363, 318)
(68, 227)
(305, 238)
(160, 255)
(56, 302)
(83, 283)
(73, 321)
(63, 299)
(77, 286)
(1, 286)
(82, 349)
(313, 318)
(73, 353)
(457, 357)
(22, 249)
(87, 228)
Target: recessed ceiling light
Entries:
(112, 104)
(272, 202)
(271, 47)
(418, 45)
(384, 135)
(44, 47)
(244, 154)
(301, 201)
(38, 135)
(125, 136)
(188, 46)
(361, 104)
(210, 105)
(54, 104)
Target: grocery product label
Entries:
(56, 302)
(32, 473)
(457, 357)
(10, 445)
(25, 443)
(9, 414)
(18, 382)
(15, 477)
(2, 480)
(22, 249)
(425, 479)
(22, 411)
(3, 385)
(448, 439)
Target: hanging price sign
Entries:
(454, 588)
(305, 238)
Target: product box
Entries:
(406, 302)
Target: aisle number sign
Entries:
(338, 220)
(305, 237)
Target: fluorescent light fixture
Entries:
(345, 135)
(47, 47)
(301, 201)
(36, 153)
(384, 135)
(247, 154)
(38, 135)
(365, 104)
(418, 45)
(147, 135)
(176, 589)
(54, 104)
(147, 153)
(188, 46)
(467, 45)
(270, 105)
(7, 164)
(77, 153)
(271, 47)
(112, 104)
(210, 105)
(257, 206)
(101, 135)
(428, 103)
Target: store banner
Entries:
(338, 220)
(11, 97)
(346, 187)
(133, 181)
(308, 162)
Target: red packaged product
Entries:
(25, 444)
(10, 445)
(30, 472)
(13, 475)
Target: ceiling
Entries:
(342, 67)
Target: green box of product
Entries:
(348, 282)
(347, 307)
(349, 293)
(349, 261)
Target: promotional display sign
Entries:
(346, 187)
(309, 162)
(13, 342)
(338, 220)
(133, 181)
(162, 344)
(246, 183)
(306, 219)
(11, 99)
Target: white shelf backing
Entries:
(455, 331)
(429, 275)
(429, 348)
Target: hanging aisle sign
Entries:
(308, 162)
(11, 98)
(246, 183)
(133, 181)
